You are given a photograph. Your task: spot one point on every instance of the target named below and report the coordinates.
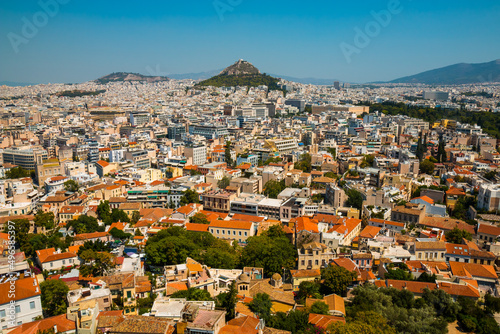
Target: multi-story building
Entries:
(208, 131)
(232, 230)
(20, 302)
(24, 156)
(314, 255)
(488, 197)
(218, 201)
(197, 152)
(430, 251)
(140, 158)
(282, 146)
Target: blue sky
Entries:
(84, 40)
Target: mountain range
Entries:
(462, 73)
(457, 74)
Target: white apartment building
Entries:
(197, 153)
(488, 197)
(27, 305)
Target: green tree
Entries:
(193, 294)
(136, 216)
(365, 322)
(119, 234)
(273, 188)
(71, 186)
(199, 218)
(337, 279)
(45, 220)
(272, 251)
(224, 182)
(308, 289)
(319, 307)
(227, 300)
(96, 246)
(85, 224)
(104, 211)
(189, 196)
(227, 155)
(456, 236)
(20, 227)
(118, 215)
(354, 199)
(95, 263)
(442, 302)
(304, 164)
(17, 173)
(261, 305)
(53, 296)
(427, 167)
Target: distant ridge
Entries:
(125, 76)
(241, 73)
(16, 84)
(458, 74)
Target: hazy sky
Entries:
(83, 40)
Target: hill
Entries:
(241, 73)
(457, 74)
(124, 76)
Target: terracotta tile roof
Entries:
(255, 219)
(34, 327)
(370, 232)
(197, 227)
(305, 224)
(426, 245)
(345, 263)
(334, 302)
(387, 222)
(446, 224)
(243, 325)
(455, 191)
(457, 249)
(103, 163)
(305, 273)
(236, 224)
(25, 288)
(49, 255)
(488, 229)
(324, 321)
(425, 199)
(85, 236)
(144, 324)
(473, 270)
(418, 287)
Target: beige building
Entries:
(430, 251)
(232, 230)
(218, 201)
(314, 255)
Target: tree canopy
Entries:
(272, 251)
(54, 294)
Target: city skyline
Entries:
(75, 42)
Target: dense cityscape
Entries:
(151, 205)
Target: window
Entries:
(129, 294)
(64, 261)
(18, 308)
(240, 233)
(245, 234)
(223, 232)
(32, 305)
(2, 313)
